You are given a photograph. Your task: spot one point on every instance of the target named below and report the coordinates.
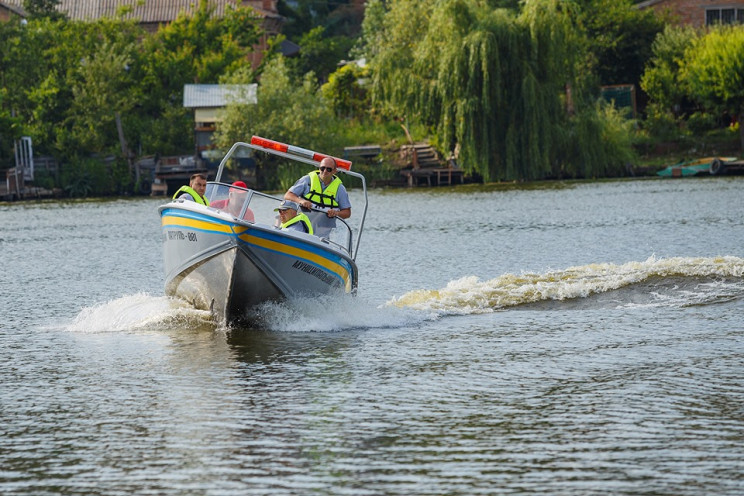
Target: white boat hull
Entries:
(219, 263)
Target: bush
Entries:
(95, 176)
(701, 122)
(661, 123)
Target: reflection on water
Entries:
(585, 339)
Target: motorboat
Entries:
(232, 256)
(700, 167)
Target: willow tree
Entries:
(492, 82)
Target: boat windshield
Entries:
(255, 207)
(339, 235)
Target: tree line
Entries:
(513, 91)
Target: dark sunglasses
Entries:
(323, 169)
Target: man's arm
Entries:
(299, 188)
(344, 205)
(301, 201)
(344, 213)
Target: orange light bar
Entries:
(341, 163)
(296, 150)
(265, 143)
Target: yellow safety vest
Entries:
(297, 218)
(319, 197)
(196, 196)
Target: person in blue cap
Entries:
(290, 218)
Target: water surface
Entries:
(574, 339)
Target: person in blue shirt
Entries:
(322, 188)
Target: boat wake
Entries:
(656, 282)
(143, 312)
(319, 315)
(138, 312)
(670, 282)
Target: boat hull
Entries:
(700, 167)
(227, 266)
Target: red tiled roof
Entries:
(149, 11)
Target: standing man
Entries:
(195, 190)
(323, 189)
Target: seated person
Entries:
(195, 190)
(292, 220)
(234, 202)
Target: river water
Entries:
(563, 339)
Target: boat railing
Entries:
(305, 156)
(254, 207)
(332, 230)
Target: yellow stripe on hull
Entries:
(333, 267)
(240, 231)
(171, 220)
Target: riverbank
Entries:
(394, 169)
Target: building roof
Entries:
(151, 11)
(13, 6)
(647, 3)
(289, 48)
(217, 95)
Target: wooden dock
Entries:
(433, 177)
(426, 167)
(366, 153)
(170, 173)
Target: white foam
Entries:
(466, 295)
(324, 314)
(135, 312)
(471, 295)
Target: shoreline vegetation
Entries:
(384, 171)
(644, 170)
(506, 95)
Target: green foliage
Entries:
(93, 176)
(196, 48)
(616, 140)
(284, 174)
(661, 122)
(701, 68)
(287, 110)
(242, 24)
(320, 53)
(10, 130)
(494, 85)
(714, 68)
(44, 179)
(67, 93)
(43, 9)
(661, 79)
(341, 17)
(99, 92)
(346, 92)
(171, 133)
(701, 122)
(373, 30)
(619, 38)
(66, 81)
